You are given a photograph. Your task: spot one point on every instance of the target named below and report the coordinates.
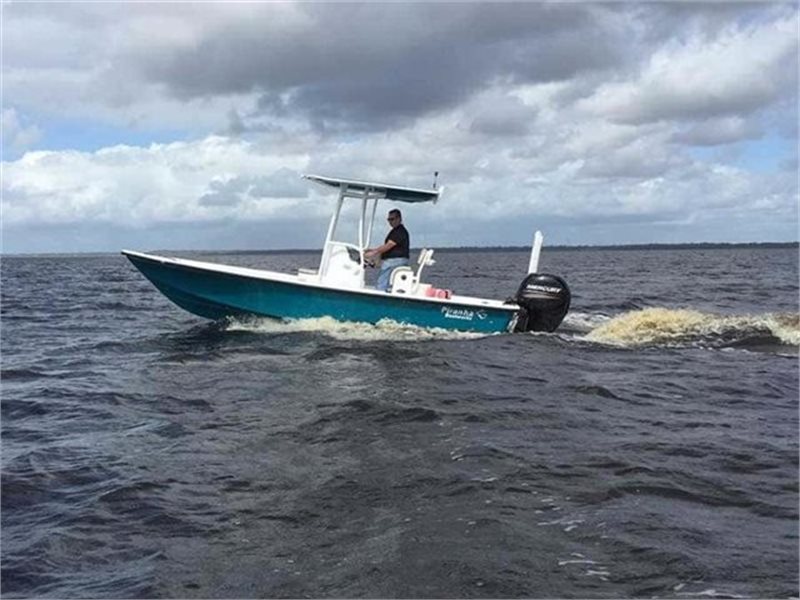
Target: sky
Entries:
(169, 126)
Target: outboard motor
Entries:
(544, 300)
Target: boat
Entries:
(337, 288)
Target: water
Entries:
(647, 449)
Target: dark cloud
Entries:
(739, 98)
(717, 132)
(363, 66)
(283, 183)
(502, 116)
(236, 125)
(242, 123)
(224, 193)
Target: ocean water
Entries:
(649, 448)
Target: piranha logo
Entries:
(457, 313)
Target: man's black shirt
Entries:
(399, 235)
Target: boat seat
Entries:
(402, 280)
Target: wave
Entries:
(385, 329)
(583, 322)
(682, 326)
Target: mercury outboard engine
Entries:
(544, 300)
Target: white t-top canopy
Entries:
(377, 190)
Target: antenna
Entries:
(435, 177)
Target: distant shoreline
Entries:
(454, 249)
(677, 246)
(686, 246)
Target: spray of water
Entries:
(385, 329)
(663, 326)
(651, 326)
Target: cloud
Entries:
(499, 114)
(395, 62)
(743, 70)
(718, 131)
(237, 189)
(569, 114)
(233, 181)
(212, 179)
(224, 192)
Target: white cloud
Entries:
(741, 71)
(141, 186)
(232, 180)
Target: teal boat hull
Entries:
(215, 294)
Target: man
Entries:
(393, 252)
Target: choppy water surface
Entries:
(647, 449)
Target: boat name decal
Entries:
(458, 313)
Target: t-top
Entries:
(399, 235)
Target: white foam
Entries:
(711, 593)
(601, 574)
(570, 523)
(592, 568)
(385, 329)
(584, 321)
(663, 325)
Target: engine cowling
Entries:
(544, 300)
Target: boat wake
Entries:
(681, 327)
(385, 329)
(636, 328)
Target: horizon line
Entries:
(567, 247)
